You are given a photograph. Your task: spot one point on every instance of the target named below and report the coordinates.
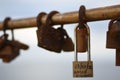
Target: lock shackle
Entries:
(82, 16)
(49, 18)
(12, 32)
(64, 31)
(39, 17)
(112, 21)
(88, 48)
(5, 26)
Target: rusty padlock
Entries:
(113, 34)
(12, 49)
(7, 50)
(81, 32)
(51, 38)
(83, 68)
(68, 44)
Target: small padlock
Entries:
(9, 49)
(113, 34)
(68, 44)
(83, 68)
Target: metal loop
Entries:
(49, 18)
(82, 16)
(88, 48)
(5, 24)
(12, 34)
(39, 17)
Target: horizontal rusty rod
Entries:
(96, 14)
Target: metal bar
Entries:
(96, 14)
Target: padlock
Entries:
(51, 38)
(5, 49)
(81, 39)
(83, 68)
(113, 34)
(68, 44)
(9, 49)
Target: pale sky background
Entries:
(39, 64)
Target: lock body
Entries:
(81, 39)
(10, 50)
(82, 69)
(9, 58)
(113, 35)
(6, 51)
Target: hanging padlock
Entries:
(83, 68)
(81, 32)
(51, 38)
(113, 34)
(6, 49)
(68, 44)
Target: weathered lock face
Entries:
(113, 35)
(81, 39)
(6, 51)
(82, 69)
(9, 58)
